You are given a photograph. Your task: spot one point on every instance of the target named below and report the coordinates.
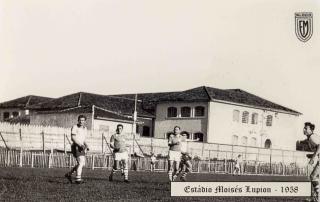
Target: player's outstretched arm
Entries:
(196, 140)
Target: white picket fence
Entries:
(15, 158)
(44, 138)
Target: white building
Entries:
(228, 117)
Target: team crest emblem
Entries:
(304, 25)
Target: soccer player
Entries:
(237, 166)
(153, 159)
(120, 153)
(314, 141)
(79, 148)
(185, 166)
(174, 153)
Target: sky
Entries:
(55, 48)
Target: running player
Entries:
(120, 153)
(314, 141)
(174, 153)
(237, 165)
(79, 148)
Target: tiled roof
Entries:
(239, 96)
(124, 103)
(24, 102)
(98, 113)
(121, 105)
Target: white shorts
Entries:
(174, 155)
(121, 156)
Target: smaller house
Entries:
(103, 113)
(18, 110)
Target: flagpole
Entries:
(92, 121)
(134, 122)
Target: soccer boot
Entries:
(79, 181)
(110, 178)
(174, 177)
(69, 177)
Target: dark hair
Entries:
(82, 116)
(120, 125)
(311, 126)
(176, 127)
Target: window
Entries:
(15, 114)
(185, 112)
(244, 141)
(199, 111)
(269, 120)
(254, 142)
(245, 117)
(198, 136)
(6, 115)
(267, 144)
(172, 112)
(137, 129)
(234, 140)
(236, 114)
(146, 131)
(254, 119)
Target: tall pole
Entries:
(134, 122)
(92, 121)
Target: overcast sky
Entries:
(55, 48)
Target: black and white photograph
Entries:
(149, 100)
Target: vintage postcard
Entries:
(149, 100)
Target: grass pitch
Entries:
(33, 184)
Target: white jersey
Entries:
(79, 133)
(314, 140)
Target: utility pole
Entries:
(134, 122)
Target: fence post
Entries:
(92, 161)
(225, 164)
(64, 143)
(102, 140)
(43, 144)
(8, 158)
(283, 166)
(50, 159)
(232, 152)
(271, 171)
(21, 144)
(32, 159)
(151, 145)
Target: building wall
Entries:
(163, 124)
(283, 133)
(21, 112)
(148, 122)
(59, 119)
(109, 127)
(69, 119)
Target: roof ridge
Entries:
(79, 99)
(206, 90)
(27, 104)
(125, 98)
